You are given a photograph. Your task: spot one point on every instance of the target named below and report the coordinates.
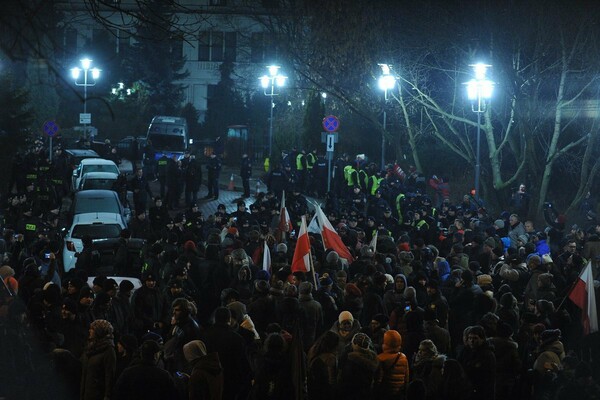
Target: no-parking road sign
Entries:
(331, 123)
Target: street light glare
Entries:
(385, 69)
(95, 73)
(480, 70)
(264, 81)
(387, 82)
(85, 63)
(472, 89)
(273, 69)
(75, 73)
(280, 80)
(487, 87)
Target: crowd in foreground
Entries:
(436, 301)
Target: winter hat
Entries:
(410, 294)
(547, 259)
(366, 251)
(102, 328)
(404, 247)
(130, 342)
(381, 318)
(125, 285)
(189, 246)
(152, 336)
(6, 271)
(545, 279)
(523, 238)
(325, 280)
(281, 248)
(392, 339)
(277, 289)
(70, 305)
(499, 223)
(263, 275)
(545, 306)
(194, 350)
(261, 286)
(550, 335)
(238, 310)
(490, 242)
(352, 289)
(484, 280)
(332, 258)
(305, 288)
(345, 316)
(361, 340)
(428, 347)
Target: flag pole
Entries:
(312, 266)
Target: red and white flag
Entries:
(266, 258)
(284, 217)
(584, 297)
(301, 260)
(331, 239)
(373, 244)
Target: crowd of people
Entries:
(438, 299)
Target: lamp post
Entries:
(386, 81)
(86, 63)
(270, 81)
(479, 90)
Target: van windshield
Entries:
(167, 142)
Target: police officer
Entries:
(161, 173)
(141, 191)
(276, 182)
(311, 160)
(214, 169)
(174, 182)
(193, 178)
(301, 168)
(320, 176)
(246, 173)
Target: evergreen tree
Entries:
(313, 119)
(225, 107)
(156, 60)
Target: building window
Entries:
(230, 46)
(217, 46)
(263, 48)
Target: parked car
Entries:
(98, 201)
(98, 180)
(75, 156)
(97, 225)
(93, 165)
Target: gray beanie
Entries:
(332, 258)
(194, 350)
(410, 294)
(281, 248)
(499, 223)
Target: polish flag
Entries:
(373, 244)
(301, 260)
(331, 239)
(266, 258)
(584, 297)
(284, 217)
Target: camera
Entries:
(547, 204)
(47, 255)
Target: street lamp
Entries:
(478, 91)
(86, 63)
(387, 81)
(272, 80)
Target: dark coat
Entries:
(357, 375)
(144, 380)
(206, 379)
(313, 313)
(232, 352)
(480, 367)
(98, 367)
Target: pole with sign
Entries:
(331, 124)
(50, 128)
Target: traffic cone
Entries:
(231, 186)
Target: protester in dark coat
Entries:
(206, 379)
(273, 376)
(358, 370)
(323, 367)
(313, 313)
(231, 347)
(98, 363)
(479, 363)
(144, 380)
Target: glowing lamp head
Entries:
(86, 63)
(75, 73)
(265, 81)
